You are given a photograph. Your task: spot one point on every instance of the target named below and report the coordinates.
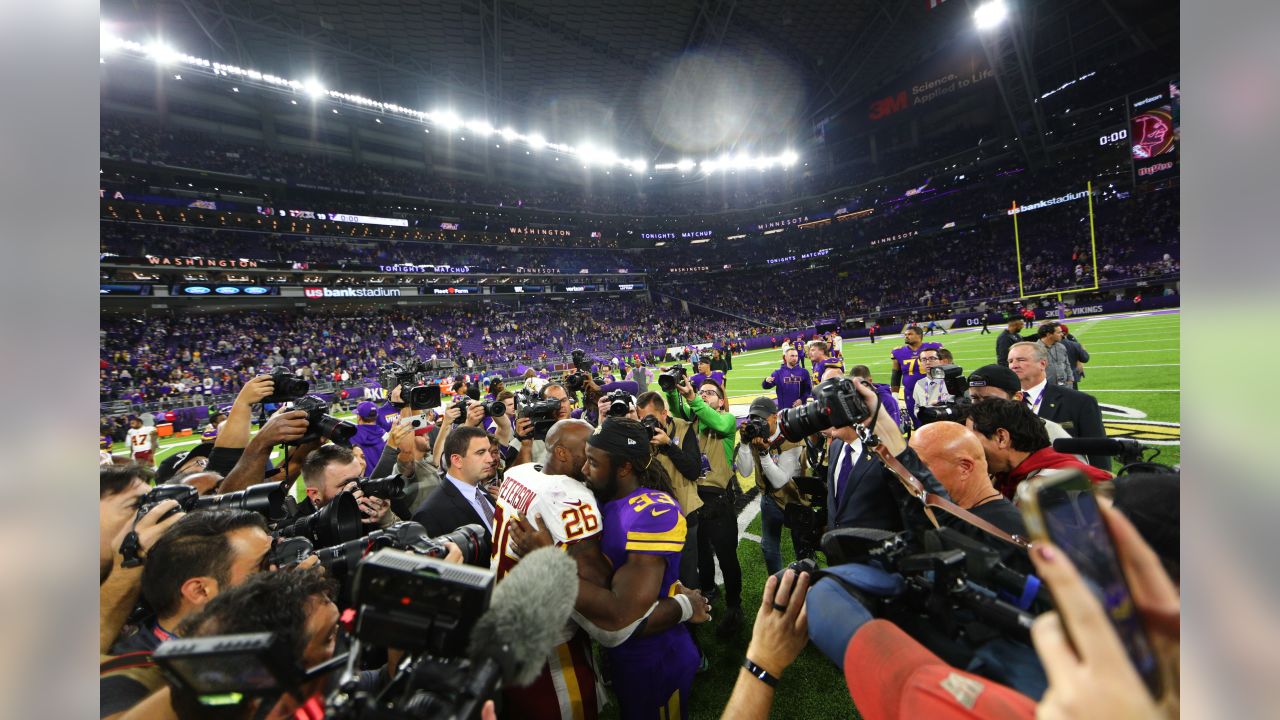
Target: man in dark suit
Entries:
(459, 500)
(1076, 412)
(861, 491)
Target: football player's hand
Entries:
(701, 605)
(526, 539)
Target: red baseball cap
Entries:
(892, 676)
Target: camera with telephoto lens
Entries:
(340, 561)
(671, 377)
(286, 386)
(836, 403)
(421, 397)
(577, 381)
(581, 361)
(390, 487)
(320, 424)
(335, 523)
(754, 427)
(492, 408)
(620, 403)
(954, 409)
(266, 499)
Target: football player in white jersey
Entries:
(142, 442)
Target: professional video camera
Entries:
(581, 361)
(754, 427)
(266, 499)
(320, 424)
(286, 386)
(957, 387)
(955, 593)
(223, 670)
(417, 381)
(463, 636)
(620, 403)
(836, 403)
(544, 412)
(671, 377)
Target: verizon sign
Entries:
(318, 293)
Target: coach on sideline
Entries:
(1077, 412)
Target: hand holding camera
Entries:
(475, 414)
(150, 526)
(283, 428)
(256, 390)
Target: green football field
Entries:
(1134, 372)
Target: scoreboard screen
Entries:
(1154, 131)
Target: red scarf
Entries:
(1047, 459)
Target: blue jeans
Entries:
(771, 518)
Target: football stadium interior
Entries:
(837, 263)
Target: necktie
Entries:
(846, 470)
(485, 507)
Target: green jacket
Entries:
(699, 412)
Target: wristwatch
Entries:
(759, 673)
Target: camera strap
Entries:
(929, 500)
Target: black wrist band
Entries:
(759, 673)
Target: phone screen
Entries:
(1072, 522)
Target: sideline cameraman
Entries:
(929, 392)
(532, 450)
(675, 446)
(331, 470)
(199, 556)
(775, 462)
(715, 428)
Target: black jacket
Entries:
(1004, 341)
(1078, 413)
(445, 510)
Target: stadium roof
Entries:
(641, 70)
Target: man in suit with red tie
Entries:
(459, 500)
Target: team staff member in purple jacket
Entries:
(791, 381)
(369, 437)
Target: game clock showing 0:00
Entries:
(1115, 137)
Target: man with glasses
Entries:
(929, 392)
(715, 428)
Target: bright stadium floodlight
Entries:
(537, 142)
(313, 88)
(788, 158)
(685, 165)
(639, 165)
(162, 54)
(990, 14)
(447, 120)
(480, 127)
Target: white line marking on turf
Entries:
(1092, 391)
(1099, 367)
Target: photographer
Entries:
(120, 487)
(675, 447)
(1017, 446)
(531, 449)
(450, 421)
(199, 556)
(929, 392)
(715, 428)
(331, 470)
(774, 461)
(791, 382)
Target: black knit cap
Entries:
(623, 437)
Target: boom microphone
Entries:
(527, 614)
(1097, 446)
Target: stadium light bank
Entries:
(445, 119)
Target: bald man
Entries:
(955, 456)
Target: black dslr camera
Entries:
(492, 408)
(266, 499)
(340, 561)
(836, 403)
(671, 377)
(957, 387)
(620, 403)
(320, 424)
(544, 412)
(652, 424)
(754, 427)
(286, 386)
